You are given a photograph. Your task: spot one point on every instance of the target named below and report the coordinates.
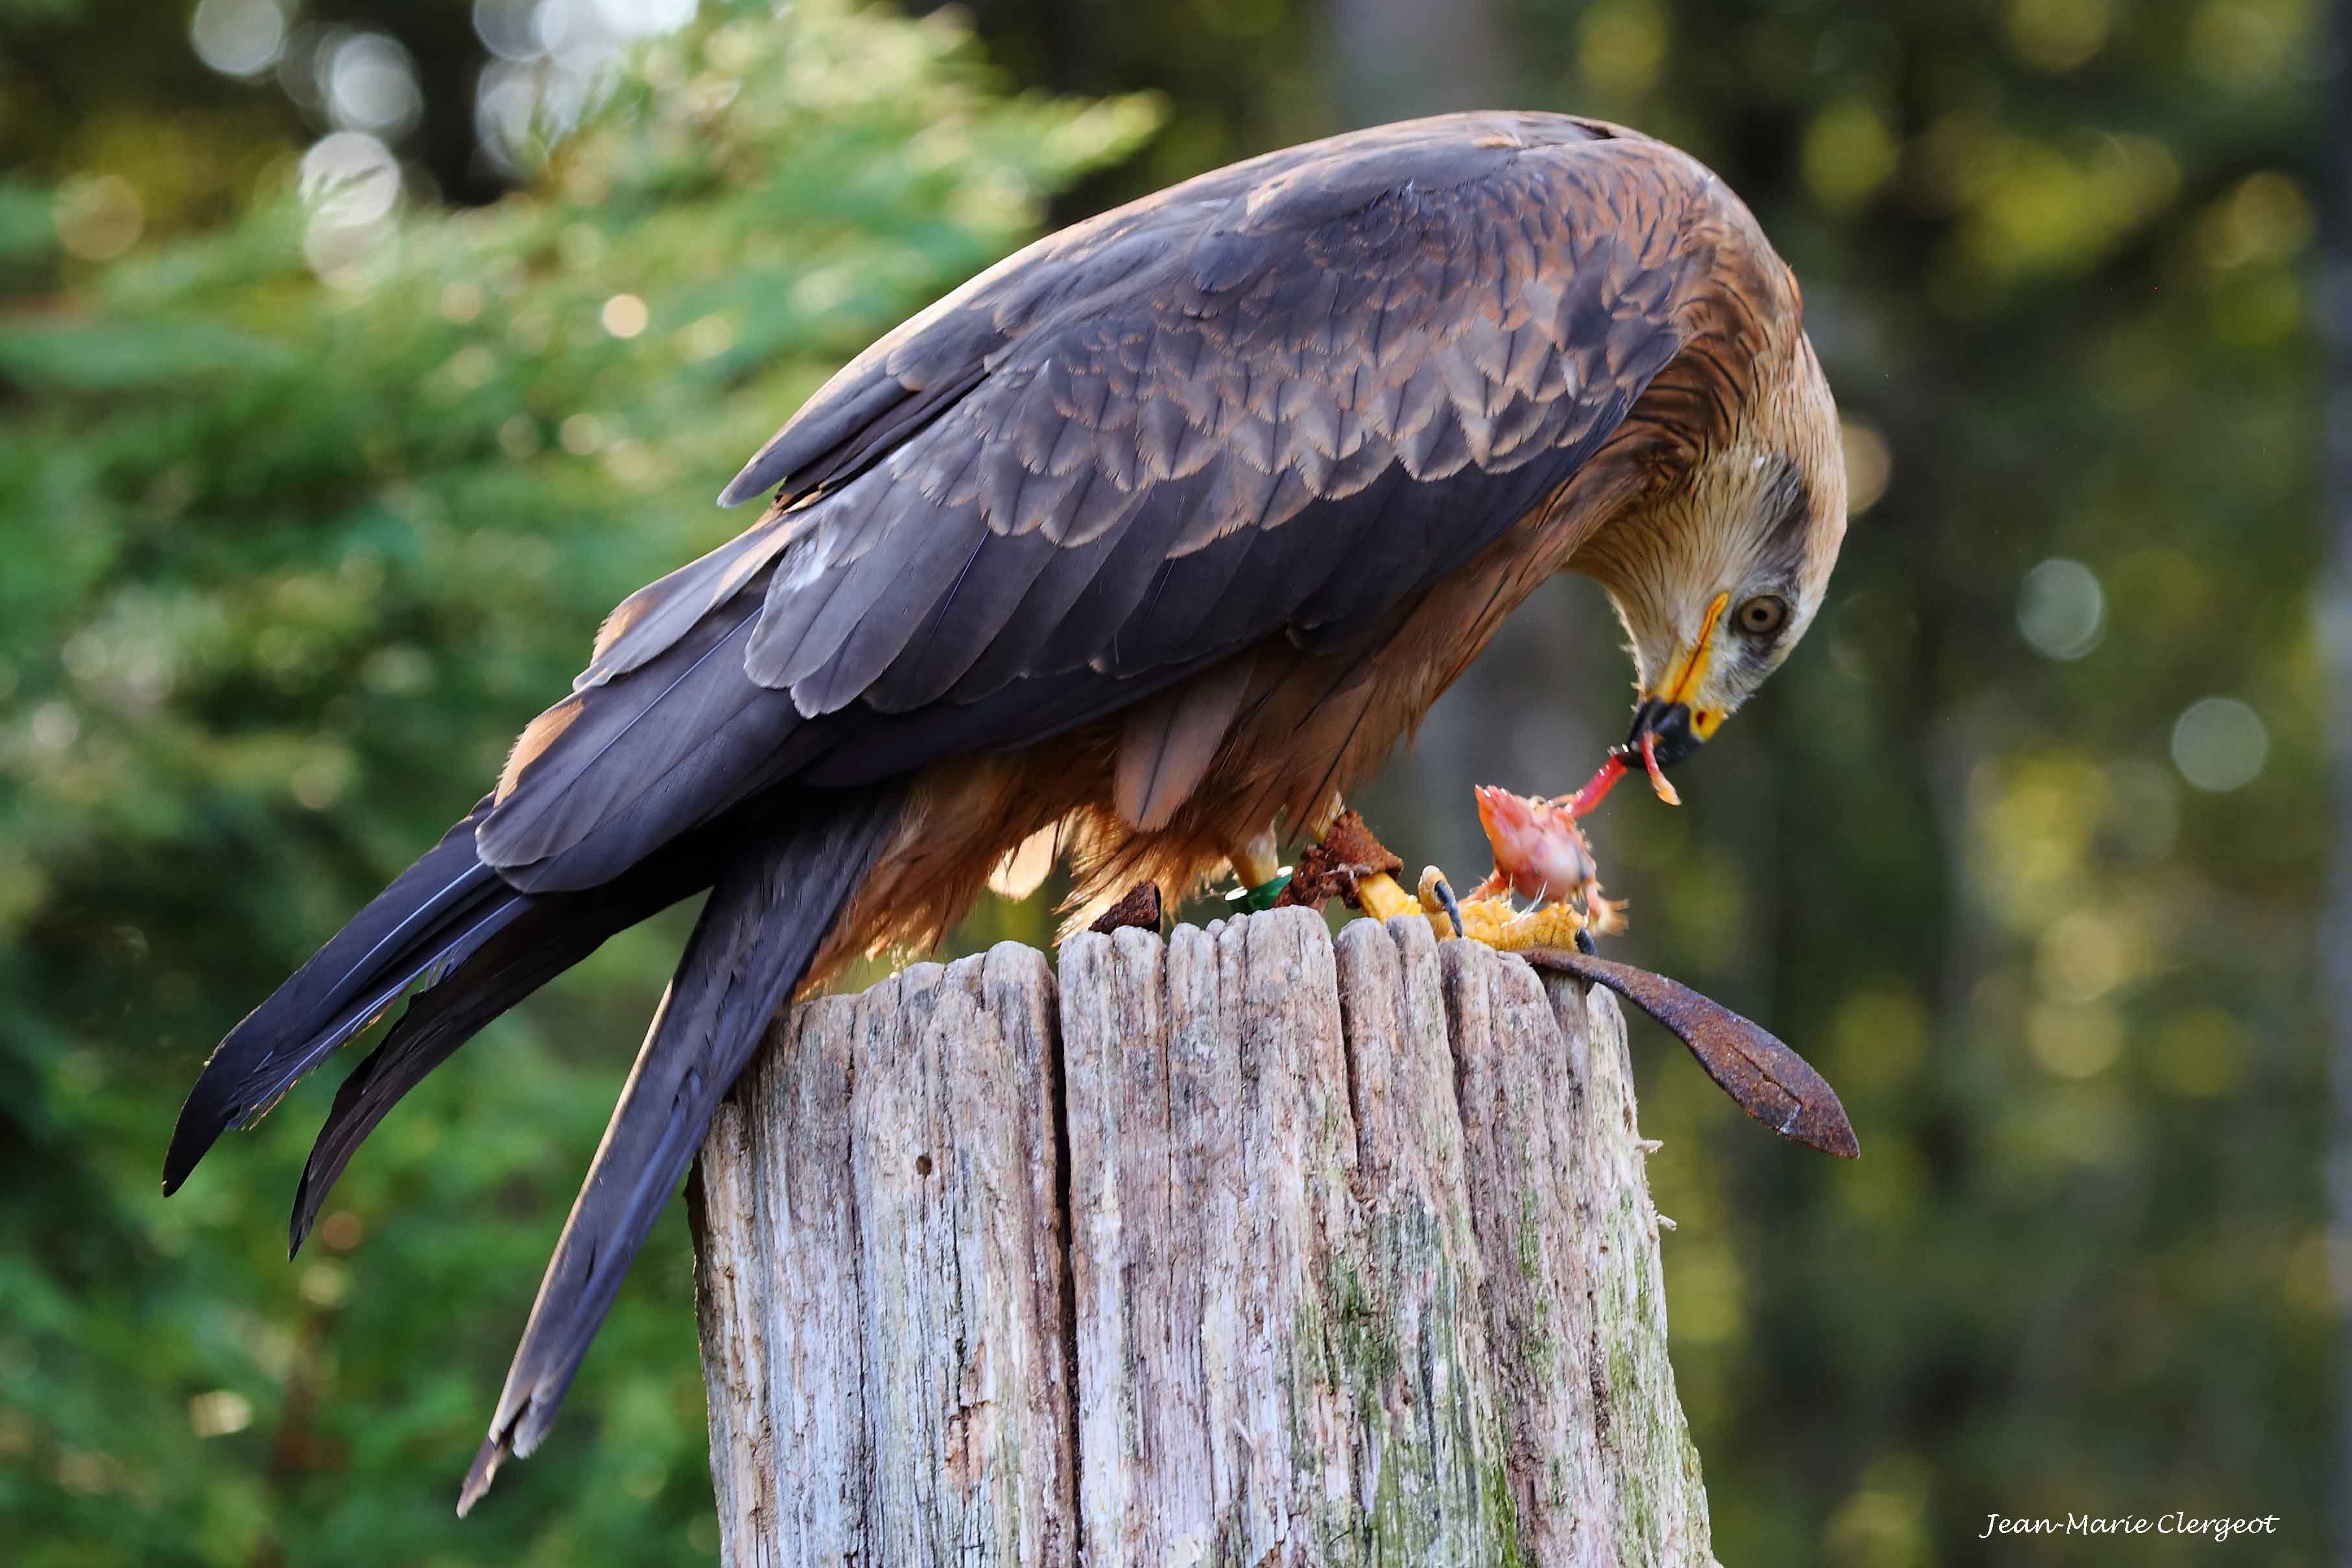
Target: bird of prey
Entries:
(1159, 534)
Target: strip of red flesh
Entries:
(1597, 789)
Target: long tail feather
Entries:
(547, 938)
(771, 908)
(440, 909)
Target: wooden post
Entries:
(1244, 1249)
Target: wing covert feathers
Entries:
(1287, 397)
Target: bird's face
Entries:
(1717, 580)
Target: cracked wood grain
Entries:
(1248, 1248)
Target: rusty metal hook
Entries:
(1762, 1075)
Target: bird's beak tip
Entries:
(1665, 732)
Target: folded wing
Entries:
(1285, 399)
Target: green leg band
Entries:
(1262, 897)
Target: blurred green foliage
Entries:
(289, 560)
(305, 514)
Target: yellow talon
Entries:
(1546, 925)
(1495, 923)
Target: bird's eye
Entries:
(1762, 616)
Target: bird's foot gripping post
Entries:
(1351, 865)
(1497, 923)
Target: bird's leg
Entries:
(1257, 865)
(1382, 898)
(1347, 862)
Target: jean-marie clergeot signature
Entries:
(2129, 1524)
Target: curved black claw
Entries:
(1585, 945)
(1444, 892)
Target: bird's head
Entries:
(1717, 571)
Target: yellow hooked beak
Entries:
(1685, 676)
(1666, 727)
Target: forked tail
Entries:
(780, 869)
(770, 911)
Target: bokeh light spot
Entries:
(505, 29)
(324, 1284)
(2061, 610)
(1621, 45)
(2084, 955)
(55, 726)
(624, 315)
(708, 338)
(556, 61)
(1848, 153)
(460, 303)
(1884, 1522)
(353, 183)
(2057, 36)
(2219, 744)
(351, 177)
(471, 367)
(518, 437)
(2075, 1042)
(370, 85)
(100, 218)
(2235, 46)
(238, 37)
(582, 434)
(1869, 465)
(2265, 218)
(644, 18)
(219, 1412)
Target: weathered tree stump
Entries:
(1244, 1249)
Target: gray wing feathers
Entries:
(1287, 397)
(663, 612)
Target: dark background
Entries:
(306, 507)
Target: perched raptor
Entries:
(1159, 534)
